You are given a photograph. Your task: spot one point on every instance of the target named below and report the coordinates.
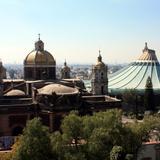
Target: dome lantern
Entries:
(146, 47)
(99, 57)
(39, 45)
(65, 63)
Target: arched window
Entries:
(102, 75)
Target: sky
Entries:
(75, 30)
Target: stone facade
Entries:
(99, 80)
(65, 71)
(40, 95)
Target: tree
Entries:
(129, 157)
(142, 132)
(58, 145)
(34, 143)
(72, 128)
(102, 131)
(117, 153)
(131, 100)
(98, 136)
(149, 101)
(129, 96)
(74, 156)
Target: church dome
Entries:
(15, 92)
(39, 56)
(58, 89)
(99, 65)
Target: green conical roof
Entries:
(135, 75)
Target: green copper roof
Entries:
(135, 75)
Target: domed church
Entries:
(39, 94)
(39, 64)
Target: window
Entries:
(102, 75)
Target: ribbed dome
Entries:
(15, 92)
(39, 57)
(148, 55)
(134, 76)
(58, 89)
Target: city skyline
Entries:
(76, 30)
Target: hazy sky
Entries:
(76, 29)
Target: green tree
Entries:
(97, 135)
(34, 143)
(72, 128)
(102, 131)
(132, 100)
(129, 96)
(58, 145)
(74, 156)
(129, 157)
(141, 132)
(117, 153)
(149, 101)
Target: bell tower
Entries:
(99, 80)
(65, 71)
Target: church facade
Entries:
(40, 94)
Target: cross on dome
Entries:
(99, 57)
(39, 35)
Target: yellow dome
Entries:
(40, 57)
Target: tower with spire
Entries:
(65, 71)
(99, 80)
